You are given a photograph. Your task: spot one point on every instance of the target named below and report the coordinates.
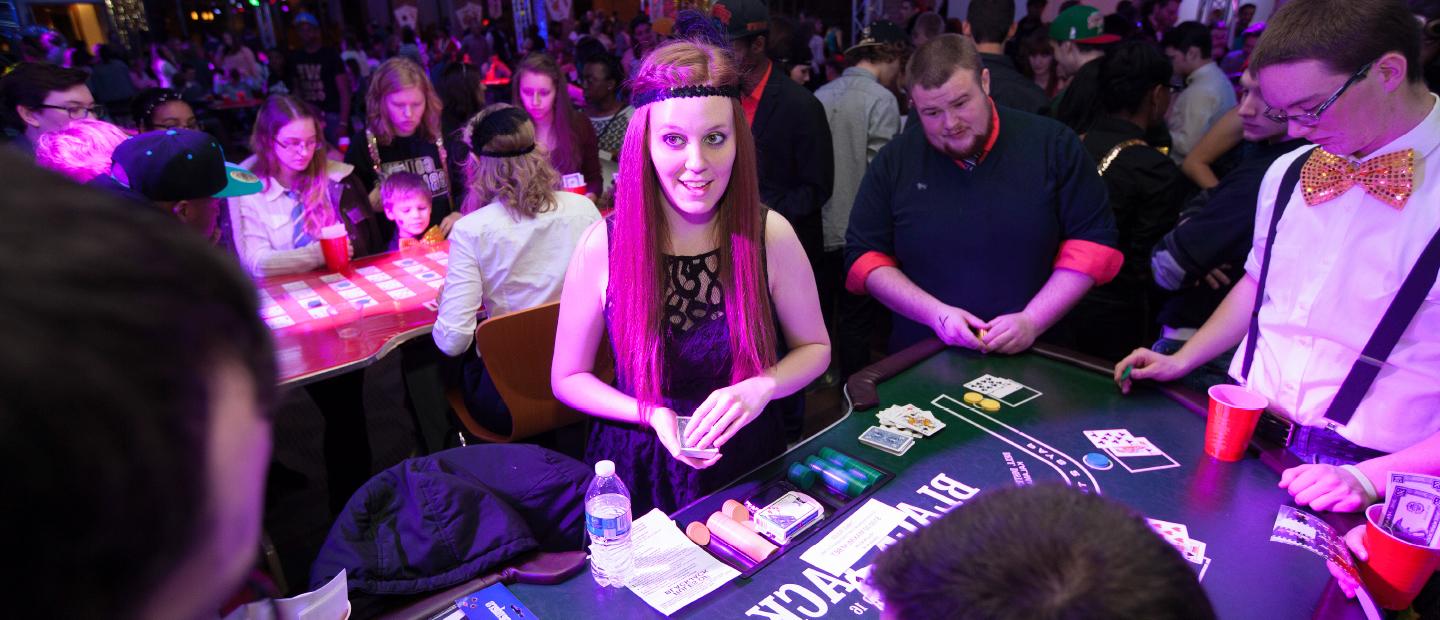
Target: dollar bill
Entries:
(1412, 508)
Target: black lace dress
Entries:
(697, 362)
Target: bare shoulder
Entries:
(778, 230)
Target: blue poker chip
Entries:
(1097, 461)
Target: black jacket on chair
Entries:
(795, 156)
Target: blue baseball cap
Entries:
(171, 165)
(306, 18)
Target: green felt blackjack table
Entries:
(1229, 506)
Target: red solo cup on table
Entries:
(335, 244)
(1396, 570)
(574, 182)
(1234, 411)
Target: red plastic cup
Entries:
(575, 183)
(336, 247)
(1234, 411)
(1397, 569)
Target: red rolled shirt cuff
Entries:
(860, 270)
(1099, 261)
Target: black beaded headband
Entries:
(644, 99)
(502, 122)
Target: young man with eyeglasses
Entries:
(1338, 315)
(36, 97)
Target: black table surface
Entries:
(1229, 506)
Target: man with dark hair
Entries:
(928, 25)
(318, 76)
(1208, 94)
(982, 225)
(36, 97)
(1243, 17)
(1037, 552)
(1235, 62)
(1146, 190)
(793, 150)
(137, 377)
(1205, 253)
(1336, 309)
(1080, 42)
(863, 116)
(990, 23)
(1157, 17)
(180, 172)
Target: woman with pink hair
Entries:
(707, 296)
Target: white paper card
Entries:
(868, 526)
(665, 560)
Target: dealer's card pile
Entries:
(1135, 454)
(887, 440)
(910, 420)
(1412, 508)
(1179, 536)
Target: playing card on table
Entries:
(1109, 437)
(886, 440)
(1173, 533)
(1138, 446)
(1193, 550)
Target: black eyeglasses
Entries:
(1309, 119)
(78, 111)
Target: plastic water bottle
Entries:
(607, 519)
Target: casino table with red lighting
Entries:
(327, 323)
(1036, 436)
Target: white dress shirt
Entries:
(1336, 267)
(263, 225)
(1208, 95)
(506, 265)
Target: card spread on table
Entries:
(1007, 391)
(887, 440)
(909, 420)
(1179, 537)
(1109, 437)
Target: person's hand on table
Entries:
(1146, 364)
(726, 411)
(955, 327)
(449, 222)
(662, 419)
(1009, 333)
(1355, 540)
(1323, 487)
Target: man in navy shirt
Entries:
(982, 226)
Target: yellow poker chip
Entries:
(990, 404)
(973, 398)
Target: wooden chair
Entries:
(517, 349)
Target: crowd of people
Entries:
(736, 204)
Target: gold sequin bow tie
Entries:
(1389, 177)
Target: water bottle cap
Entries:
(605, 468)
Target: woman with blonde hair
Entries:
(277, 230)
(402, 133)
(707, 296)
(509, 251)
(540, 87)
